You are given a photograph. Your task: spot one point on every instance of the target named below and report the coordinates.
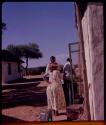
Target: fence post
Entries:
(71, 78)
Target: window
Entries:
(9, 69)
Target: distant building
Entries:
(90, 25)
(11, 67)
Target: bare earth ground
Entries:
(25, 104)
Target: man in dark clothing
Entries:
(67, 82)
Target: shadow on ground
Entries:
(26, 80)
(33, 96)
(8, 119)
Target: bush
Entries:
(36, 70)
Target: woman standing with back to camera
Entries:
(55, 94)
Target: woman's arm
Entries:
(47, 70)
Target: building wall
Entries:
(88, 57)
(13, 76)
(92, 26)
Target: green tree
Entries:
(26, 51)
(3, 26)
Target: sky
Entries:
(49, 24)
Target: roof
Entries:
(82, 7)
(8, 56)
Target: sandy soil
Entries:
(25, 104)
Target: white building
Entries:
(90, 25)
(11, 67)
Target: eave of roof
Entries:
(7, 56)
(82, 7)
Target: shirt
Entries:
(67, 70)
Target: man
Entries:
(67, 81)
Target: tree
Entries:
(3, 26)
(26, 51)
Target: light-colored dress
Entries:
(55, 94)
(50, 67)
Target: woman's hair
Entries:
(53, 58)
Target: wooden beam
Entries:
(69, 47)
(73, 43)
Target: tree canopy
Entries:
(30, 50)
(26, 51)
(3, 26)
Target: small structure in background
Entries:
(11, 67)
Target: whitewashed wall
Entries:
(92, 24)
(88, 57)
(15, 75)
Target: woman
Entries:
(55, 94)
(53, 65)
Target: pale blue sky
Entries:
(49, 24)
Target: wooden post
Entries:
(71, 78)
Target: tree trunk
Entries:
(26, 65)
